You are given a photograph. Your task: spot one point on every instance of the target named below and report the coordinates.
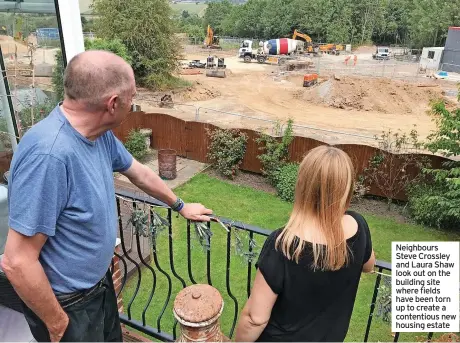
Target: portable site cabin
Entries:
(451, 57)
(431, 58)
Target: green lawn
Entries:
(264, 210)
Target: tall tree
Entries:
(394, 27)
(215, 14)
(147, 30)
(275, 19)
(312, 17)
(429, 22)
(230, 24)
(339, 29)
(416, 23)
(250, 23)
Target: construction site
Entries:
(358, 99)
(29, 59)
(29, 66)
(332, 93)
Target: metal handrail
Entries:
(252, 231)
(143, 269)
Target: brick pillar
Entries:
(117, 275)
(198, 308)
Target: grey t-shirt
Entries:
(61, 185)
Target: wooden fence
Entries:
(190, 140)
(5, 161)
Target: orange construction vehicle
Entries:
(310, 80)
(310, 48)
(211, 41)
(316, 48)
(333, 49)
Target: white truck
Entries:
(382, 53)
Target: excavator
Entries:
(307, 38)
(211, 41)
(315, 48)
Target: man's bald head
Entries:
(92, 77)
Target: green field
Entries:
(264, 210)
(192, 8)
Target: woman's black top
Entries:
(312, 306)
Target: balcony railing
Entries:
(146, 266)
(149, 270)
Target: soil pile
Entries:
(381, 95)
(8, 45)
(365, 49)
(199, 92)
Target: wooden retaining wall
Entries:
(190, 140)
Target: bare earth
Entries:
(360, 105)
(359, 101)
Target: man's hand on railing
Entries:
(196, 212)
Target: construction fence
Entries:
(223, 40)
(228, 119)
(190, 140)
(392, 69)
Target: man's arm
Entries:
(21, 266)
(144, 178)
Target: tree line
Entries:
(414, 23)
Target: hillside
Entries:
(191, 7)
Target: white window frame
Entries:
(72, 43)
(70, 28)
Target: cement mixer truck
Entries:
(274, 51)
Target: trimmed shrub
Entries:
(136, 145)
(435, 201)
(275, 151)
(227, 150)
(113, 45)
(430, 204)
(285, 181)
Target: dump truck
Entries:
(274, 51)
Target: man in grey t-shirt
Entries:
(62, 213)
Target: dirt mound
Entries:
(381, 95)
(10, 46)
(199, 92)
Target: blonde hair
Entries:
(323, 193)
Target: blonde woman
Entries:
(308, 273)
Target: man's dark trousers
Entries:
(93, 316)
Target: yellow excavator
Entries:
(315, 48)
(307, 38)
(211, 41)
